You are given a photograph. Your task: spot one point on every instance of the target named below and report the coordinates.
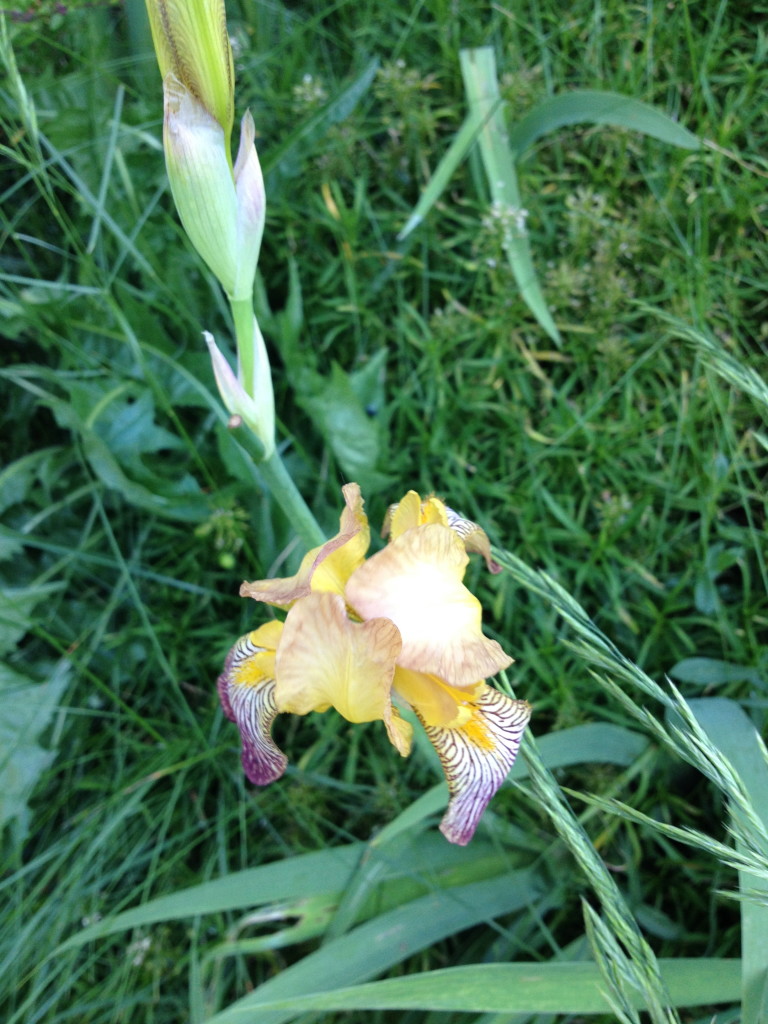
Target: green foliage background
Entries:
(628, 462)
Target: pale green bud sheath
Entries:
(251, 208)
(222, 210)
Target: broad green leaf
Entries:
(353, 435)
(735, 735)
(378, 944)
(26, 709)
(17, 478)
(124, 445)
(711, 672)
(501, 988)
(417, 863)
(16, 607)
(10, 545)
(325, 871)
(596, 107)
(367, 382)
(478, 68)
(182, 499)
(343, 405)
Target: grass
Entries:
(622, 471)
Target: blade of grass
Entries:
(597, 107)
(109, 157)
(100, 213)
(295, 878)
(379, 944)
(464, 140)
(735, 735)
(478, 69)
(512, 988)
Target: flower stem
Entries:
(281, 487)
(272, 469)
(287, 495)
(242, 315)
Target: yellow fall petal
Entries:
(324, 569)
(437, 703)
(476, 758)
(247, 692)
(416, 582)
(324, 660)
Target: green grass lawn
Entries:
(617, 463)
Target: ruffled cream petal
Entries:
(476, 758)
(326, 568)
(415, 581)
(247, 692)
(325, 660)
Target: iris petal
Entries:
(325, 660)
(410, 512)
(437, 703)
(247, 692)
(473, 537)
(476, 758)
(416, 582)
(326, 568)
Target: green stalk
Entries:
(272, 472)
(287, 495)
(271, 469)
(242, 315)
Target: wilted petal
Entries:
(476, 758)
(473, 536)
(416, 582)
(247, 692)
(325, 660)
(327, 568)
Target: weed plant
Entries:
(620, 473)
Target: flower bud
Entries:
(222, 212)
(191, 43)
(252, 400)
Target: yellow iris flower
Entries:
(361, 631)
